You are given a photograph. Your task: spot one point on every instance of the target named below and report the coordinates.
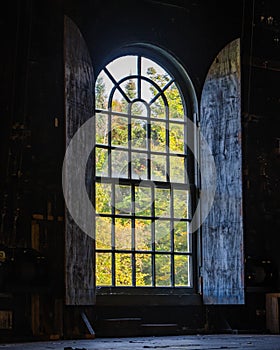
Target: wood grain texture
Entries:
(79, 107)
(222, 231)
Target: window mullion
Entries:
(172, 267)
(113, 243)
(153, 237)
(110, 144)
(133, 236)
(139, 69)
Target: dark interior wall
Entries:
(32, 150)
(32, 121)
(190, 30)
(261, 128)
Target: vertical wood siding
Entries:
(79, 107)
(222, 231)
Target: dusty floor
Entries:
(192, 342)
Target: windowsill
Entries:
(147, 296)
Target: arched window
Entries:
(145, 186)
(144, 173)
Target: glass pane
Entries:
(101, 161)
(181, 200)
(162, 202)
(181, 263)
(143, 200)
(148, 91)
(139, 108)
(155, 72)
(122, 199)
(122, 66)
(143, 235)
(158, 108)
(176, 109)
(138, 134)
(103, 87)
(119, 104)
(162, 235)
(181, 236)
(103, 269)
(163, 270)
(129, 87)
(119, 131)
(122, 233)
(103, 198)
(177, 169)
(103, 232)
(158, 136)
(123, 270)
(143, 270)
(176, 138)
(158, 167)
(139, 166)
(119, 164)
(101, 131)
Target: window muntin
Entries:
(142, 193)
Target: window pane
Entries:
(180, 200)
(162, 235)
(163, 270)
(122, 199)
(119, 104)
(103, 198)
(158, 167)
(143, 270)
(154, 71)
(181, 263)
(148, 91)
(139, 166)
(119, 131)
(162, 202)
(181, 236)
(177, 169)
(143, 235)
(129, 87)
(103, 88)
(158, 136)
(158, 109)
(123, 66)
(101, 136)
(122, 233)
(176, 109)
(138, 134)
(119, 164)
(176, 138)
(143, 200)
(139, 108)
(101, 161)
(103, 269)
(123, 270)
(103, 233)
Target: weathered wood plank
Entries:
(222, 231)
(79, 107)
(272, 304)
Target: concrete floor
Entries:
(191, 342)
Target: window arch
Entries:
(144, 173)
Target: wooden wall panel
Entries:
(222, 231)
(79, 107)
